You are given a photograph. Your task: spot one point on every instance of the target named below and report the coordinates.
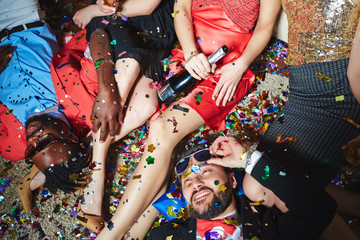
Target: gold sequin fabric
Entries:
(320, 30)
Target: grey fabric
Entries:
(314, 117)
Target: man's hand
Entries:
(5, 56)
(107, 113)
(232, 152)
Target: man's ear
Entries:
(73, 137)
(232, 179)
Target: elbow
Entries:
(149, 10)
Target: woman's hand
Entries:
(84, 15)
(231, 75)
(107, 113)
(231, 151)
(105, 8)
(198, 66)
(6, 55)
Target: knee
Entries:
(160, 128)
(99, 32)
(143, 113)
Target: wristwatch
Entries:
(251, 159)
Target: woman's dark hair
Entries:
(73, 174)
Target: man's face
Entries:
(209, 191)
(49, 142)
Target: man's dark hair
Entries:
(73, 174)
(45, 120)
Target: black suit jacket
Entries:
(311, 210)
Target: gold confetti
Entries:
(339, 98)
(136, 176)
(151, 148)
(112, 208)
(222, 188)
(320, 75)
(169, 237)
(174, 14)
(257, 203)
(357, 125)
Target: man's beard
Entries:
(218, 205)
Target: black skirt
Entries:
(318, 119)
(147, 39)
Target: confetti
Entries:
(198, 97)
(357, 125)
(136, 176)
(216, 182)
(151, 148)
(110, 225)
(178, 107)
(257, 203)
(79, 37)
(339, 98)
(320, 75)
(105, 22)
(150, 160)
(8, 112)
(278, 139)
(174, 14)
(265, 176)
(195, 169)
(222, 188)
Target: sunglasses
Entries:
(200, 156)
(43, 142)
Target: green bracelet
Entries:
(99, 61)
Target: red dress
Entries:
(215, 26)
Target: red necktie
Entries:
(228, 224)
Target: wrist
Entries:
(251, 159)
(189, 54)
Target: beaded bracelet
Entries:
(99, 61)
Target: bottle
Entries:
(183, 81)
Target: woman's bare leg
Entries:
(348, 202)
(146, 219)
(338, 229)
(142, 104)
(165, 132)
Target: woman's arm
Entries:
(353, 72)
(131, 8)
(84, 15)
(196, 63)
(231, 73)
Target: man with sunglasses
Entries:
(276, 205)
